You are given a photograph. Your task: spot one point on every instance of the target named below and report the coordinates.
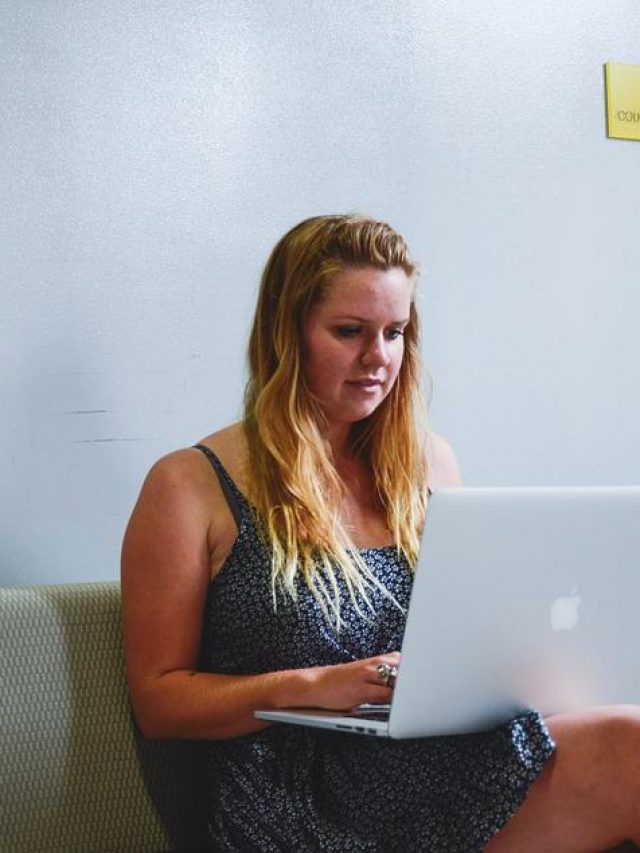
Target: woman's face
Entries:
(353, 341)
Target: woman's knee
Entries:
(622, 740)
(599, 753)
(588, 794)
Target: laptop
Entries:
(524, 598)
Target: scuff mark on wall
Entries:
(105, 440)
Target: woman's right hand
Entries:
(346, 685)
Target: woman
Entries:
(271, 566)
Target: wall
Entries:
(153, 152)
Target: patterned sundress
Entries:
(291, 788)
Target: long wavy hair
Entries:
(295, 487)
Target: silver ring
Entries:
(387, 674)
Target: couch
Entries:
(76, 774)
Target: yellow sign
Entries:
(623, 100)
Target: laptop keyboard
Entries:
(371, 712)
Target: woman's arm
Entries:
(444, 470)
(166, 566)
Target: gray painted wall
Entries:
(152, 154)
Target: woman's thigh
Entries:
(587, 798)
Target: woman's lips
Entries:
(366, 384)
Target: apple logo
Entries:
(564, 611)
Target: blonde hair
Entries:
(295, 487)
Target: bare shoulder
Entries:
(229, 440)
(173, 500)
(181, 491)
(444, 469)
(178, 477)
(183, 472)
(230, 446)
(181, 523)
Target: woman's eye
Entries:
(393, 334)
(347, 331)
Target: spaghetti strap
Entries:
(229, 488)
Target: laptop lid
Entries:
(524, 598)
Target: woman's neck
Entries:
(337, 437)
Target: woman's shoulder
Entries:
(185, 471)
(442, 463)
(230, 446)
(182, 496)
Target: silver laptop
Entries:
(524, 598)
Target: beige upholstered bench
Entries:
(75, 774)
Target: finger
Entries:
(385, 675)
(375, 676)
(380, 696)
(390, 661)
(391, 658)
(376, 696)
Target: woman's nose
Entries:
(376, 352)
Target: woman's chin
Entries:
(355, 414)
